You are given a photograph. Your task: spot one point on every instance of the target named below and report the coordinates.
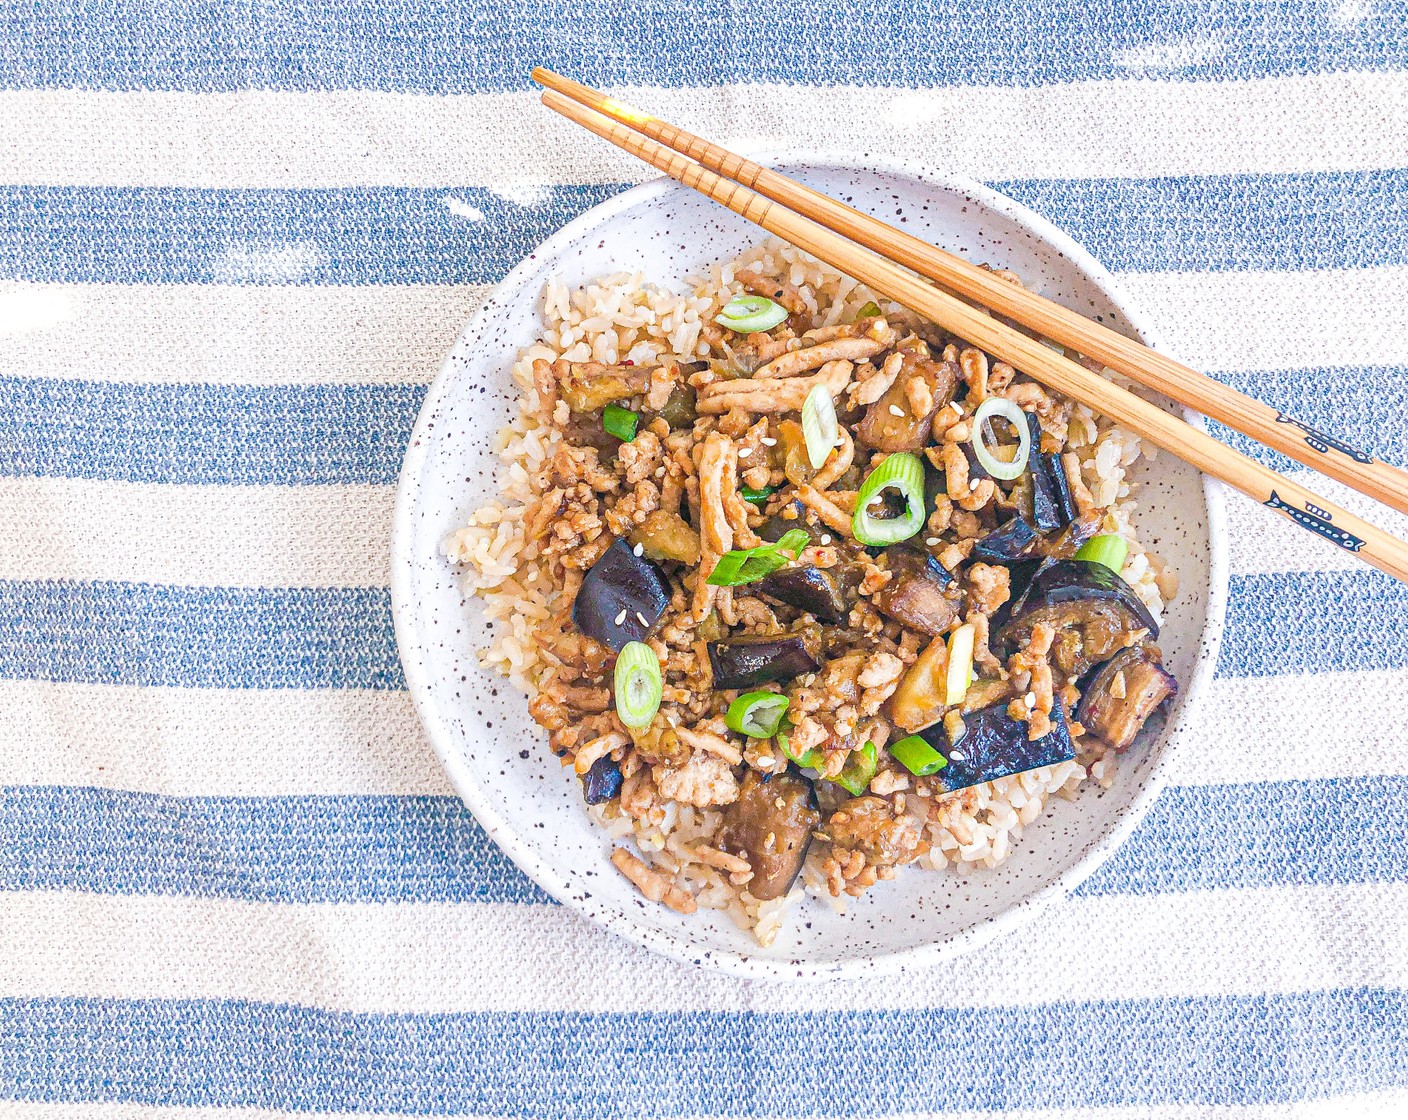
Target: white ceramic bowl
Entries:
(532, 807)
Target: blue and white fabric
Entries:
(237, 238)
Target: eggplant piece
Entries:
(678, 410)
(1138, 675)
(585, 429)
(886, 430)
(975, 468)
(922, 696)
(772, 529)
(814, 590)
(620, 585)
(745, 662)
(592, 385)
(1093, 611)
(770, 825)
(667, 536)
(602, 782)
(915, 594)
(1053, 507)
(994, 745)
(1007, 544)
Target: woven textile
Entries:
(236, 240)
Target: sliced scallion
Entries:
(638, 684)
(1007, 410)
(859, 769)
(757, 714)
(819, 427)
(746, 565)
(808, 760)
(869, 311)
(904, 474)
(917, 756)
(748, 314)
(960, 663)
(620, 422)
(1109, 549)
(758, 496)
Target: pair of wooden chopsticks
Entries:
(882, 257)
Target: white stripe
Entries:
(214, 742)
(231, 334)
(1260, 541)
(1277, 320)
(339, 535)
(318, 139)
(401, 333)
(228, 536)
(1298, 728)
(1389, 1104)
(390, 957)
(217, 742)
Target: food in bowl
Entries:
(805, 589)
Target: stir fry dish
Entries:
(804, 590)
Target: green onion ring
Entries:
(1001, 468)
(638, 684)
(749, 314)
(902, 472)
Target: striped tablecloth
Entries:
(236, 240)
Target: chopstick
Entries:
(1266, 425)
(1275, 491)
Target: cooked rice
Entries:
(623, 317)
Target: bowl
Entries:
(498, 758)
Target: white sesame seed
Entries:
(744, 452)
(956, 754)
(840, 441)
(768, 441)
(620, 618)
(896, 410)
(659, 472)
(639, 549)
(643, 621)
(825, 538)
(1030, 699)
(958, 408)
(932, 542)
(973, 483)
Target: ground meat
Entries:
(867, 836)
(653, 883)
(989, 586)
(702, 781)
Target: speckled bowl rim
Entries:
(533, 861)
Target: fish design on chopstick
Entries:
(1317, 521)
(1322, 442)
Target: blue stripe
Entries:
(287, 435)
(292, 435)
(354, 235)
(480, 45)
(396, 235)
(1210, 223)
(1365, 406)
(202, 637)
(214, 637)
(1313, 622)
(429, 849)
(576, 1066)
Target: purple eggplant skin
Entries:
(602, 782)
(1147, 685)
(746, 662)
(1054, 473)
(809, 589)
(994, 745)
(1071, 581)
(620, 581)
(916, 595)
(1007, 544)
